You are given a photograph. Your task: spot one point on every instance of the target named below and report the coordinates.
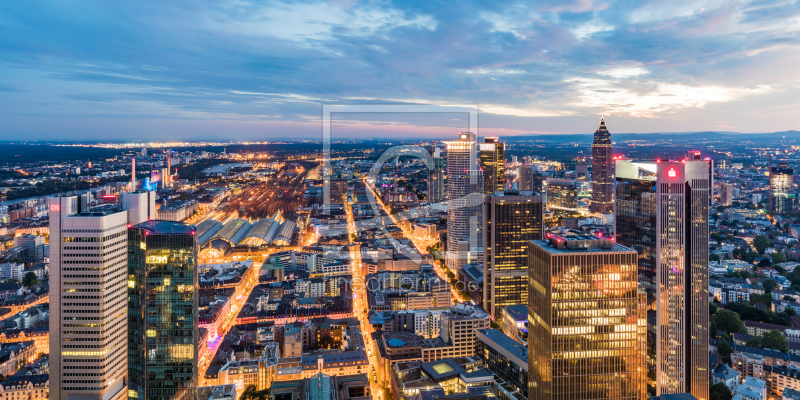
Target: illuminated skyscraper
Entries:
(602, 171)
(780, 188)
(585, 322)
(465, 202)
(511, 222)
(673, 267)
(162, 311)
(88, 276)
(436, 186)
(493, 162)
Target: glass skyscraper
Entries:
(162, 311)
(511, 222)
(662, 210)
(493, 162)
(585, 320)
(780, 188)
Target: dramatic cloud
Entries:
(90, 69)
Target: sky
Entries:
(261, 70)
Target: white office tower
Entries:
(140, 205)
(465, 202)
(88, 301)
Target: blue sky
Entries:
(85, 70)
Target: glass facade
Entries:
(780, 188)
(636, 228)
(504, 357)
(602, 171)
(585, 322)
(162, 311)
(493, 162)
(562, 194)
(511, 223)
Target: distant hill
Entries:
(703, 135)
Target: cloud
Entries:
(548, 65)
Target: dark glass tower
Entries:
(780, 188)
(676, 234)
(511, 222)
(602, 171)
(493, 162)
(635, 219)
(162, 311)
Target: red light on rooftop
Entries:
(658, 161)
(129, 226)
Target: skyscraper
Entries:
(726, 195)
(436, 186)
(162, 311)
(677, 281)
(780, 188)
(493, 162)
(602, 173)
(511, 222)
(88, 324)
(465, 202)
(585, 323)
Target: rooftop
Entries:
(158, 227)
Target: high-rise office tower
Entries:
(436, 186)
(561, 194)
(511, 222)
(602, 171)
(465, 202)
(677, 282)
(726, 195)
(585, 322)
(493, 162)
(635, 227)
(88, 300)
(140, 205)
(780, 188)
(162, 311)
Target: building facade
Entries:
(780, 188)
(465, 195)
(586, 324)
(162, 311)
(493, 162)
(511, 221)
(436, 192)
(682, 191)
(88, 300)
(602, 171)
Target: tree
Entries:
(753, 342)
(761, 243)
(29, 279)
(765, 262)
(720, 391)
(712, 308)
(789, 298)
(763, 298)
(714, 257)
(251, 393)
(778, 258)
(725, 351)
(769, 284)
(774, 339)
(729, 321)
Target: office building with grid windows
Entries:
(511, 222)
(586, 322)
(162, 311)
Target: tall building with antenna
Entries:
(602, 171)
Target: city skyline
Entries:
(262, 70)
